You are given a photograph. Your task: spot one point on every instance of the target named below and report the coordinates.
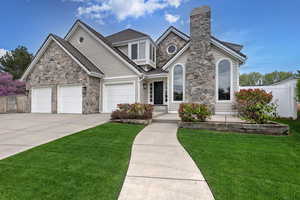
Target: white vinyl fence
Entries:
(284, 95)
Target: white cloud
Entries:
(2, 52)
(175, 3)
(121, 9)
(171, 18)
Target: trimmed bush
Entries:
(133, 111)
(193, 112)
(255, 105)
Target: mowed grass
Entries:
(247, 167)
(91, 164)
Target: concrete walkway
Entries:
(160, 168)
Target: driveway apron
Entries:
(20, 132)
(161, 169)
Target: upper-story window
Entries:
(142, 52)
(224, 80)
(138, 50)
(152, 52)
(171, 49)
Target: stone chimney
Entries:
(200, 67)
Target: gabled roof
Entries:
(233, 48)
(175, 31)
(125, 35)
(78, 57)
(108, 44)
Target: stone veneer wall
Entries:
(200, 68)
(162, 54)
(55, 68)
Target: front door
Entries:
(158, 93)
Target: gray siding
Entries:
(109, 64)
(124, 49)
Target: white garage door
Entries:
(69, 99)
(116, 94)
(41, 100)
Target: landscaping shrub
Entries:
(192, 112)
(255, 105)
(133, 111)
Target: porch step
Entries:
(166, 118)
(161, 108)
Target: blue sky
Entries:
(269, 30)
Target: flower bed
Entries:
(133, 113)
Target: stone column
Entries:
(200, 67)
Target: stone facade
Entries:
(200, 67)
(56, 68)
(162, 55)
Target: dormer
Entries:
(138, 46)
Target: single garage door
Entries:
(41, 100)
(115, 94)
(69, 99)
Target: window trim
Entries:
(217, 81)
(137, 54)
(174, 51)
(183, 84)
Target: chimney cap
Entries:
(200, 10)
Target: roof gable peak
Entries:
(175, 31)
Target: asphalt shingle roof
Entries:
(125, 35)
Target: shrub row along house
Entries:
(86, 72)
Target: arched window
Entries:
(178, 81)
(224, 80)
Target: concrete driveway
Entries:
(19, 132)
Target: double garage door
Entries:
(69, 100)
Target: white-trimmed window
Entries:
(178, 83)
(171, 49)
(224, 86)
(138, 50)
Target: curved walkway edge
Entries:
(161, 169)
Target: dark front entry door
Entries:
(159, 92)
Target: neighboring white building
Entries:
(284, 95)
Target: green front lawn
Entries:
(91, 164)
(244, 167)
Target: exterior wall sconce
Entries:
(145, 86)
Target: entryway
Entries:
(158, 93)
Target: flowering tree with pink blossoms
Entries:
(9, 87)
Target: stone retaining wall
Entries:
(266, 129)
(13, 104)
(134, 121)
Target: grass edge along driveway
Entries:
(90, 164)
(247, 166)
